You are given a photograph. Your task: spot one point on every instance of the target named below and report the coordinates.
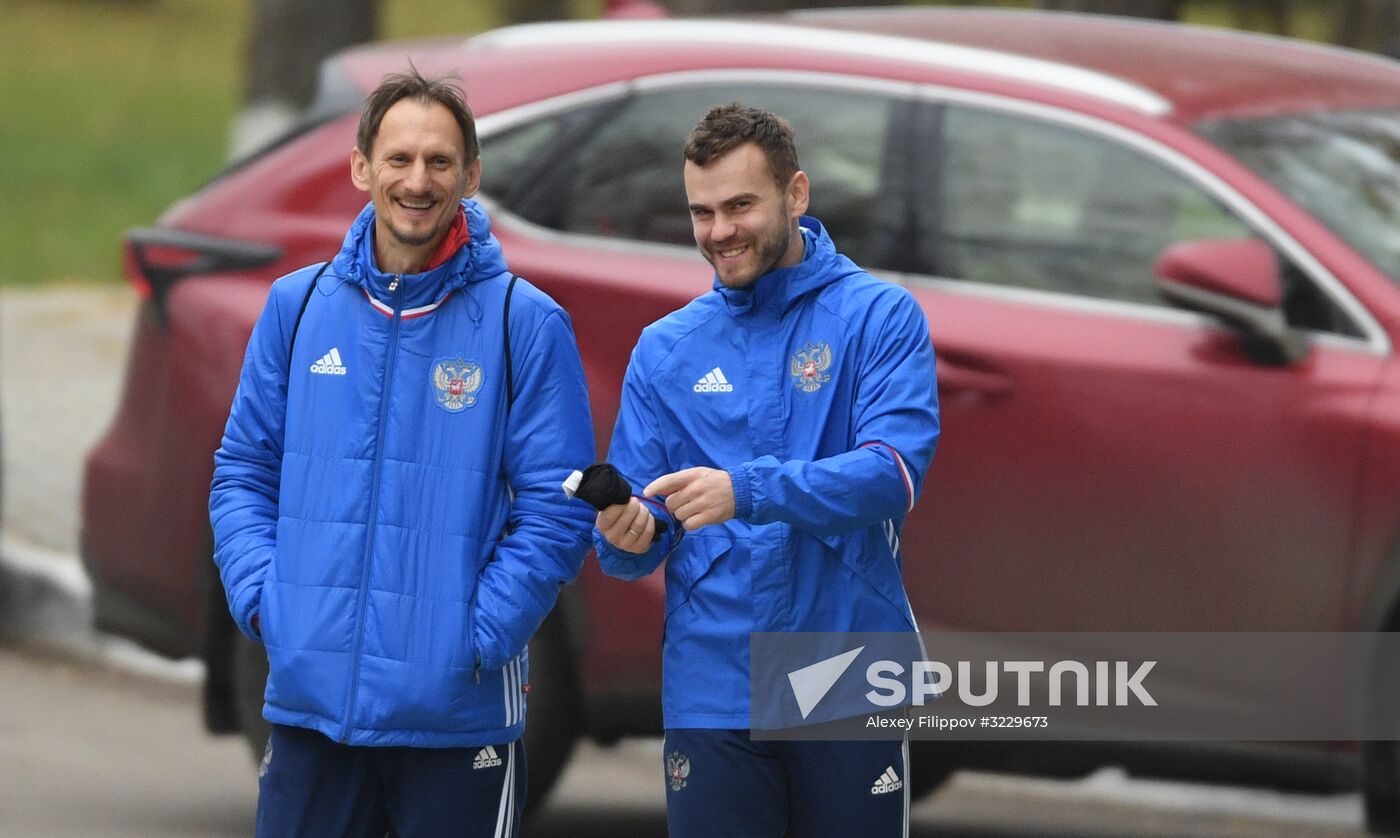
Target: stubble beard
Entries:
(769, 251)
(412, 240)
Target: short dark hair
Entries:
(727, 127)
(444, 90)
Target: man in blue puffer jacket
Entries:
(788, 418)
(386, 505)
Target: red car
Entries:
(1161, 264)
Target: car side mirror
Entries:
(1236, 280)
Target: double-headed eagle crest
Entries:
(677, 769)
(456, 381)
(809, 366)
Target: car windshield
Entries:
(1341, 166)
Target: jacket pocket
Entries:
(868, 556)
(473, 657)
(264, 609)
(694, 560)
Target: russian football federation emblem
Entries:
(456, 381)
(809, 366)
(677, 769)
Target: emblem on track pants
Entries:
(677, 769)
(887, 782)
(486, 758)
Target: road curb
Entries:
(46, 602)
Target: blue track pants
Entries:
(719, 783)
(310, 787)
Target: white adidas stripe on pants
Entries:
(905, 752)
(505, 814)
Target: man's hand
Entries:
(697, 497)
(627, 526)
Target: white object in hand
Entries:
(571, 483)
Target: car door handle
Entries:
(956, 375)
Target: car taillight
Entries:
(132, 266)
(158, 257)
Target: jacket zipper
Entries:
(390, 356)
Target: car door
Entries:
(592, 208)
(1109, 463)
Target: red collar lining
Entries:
(457, 236)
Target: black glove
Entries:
(601, 485)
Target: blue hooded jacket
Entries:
(815, 390)
(399, 530)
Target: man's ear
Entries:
(359, 169)
(798, 194)
(473, 178)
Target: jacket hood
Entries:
(480, 258)
(778, 289)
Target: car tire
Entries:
(1382, 787)
(249, 684)
(552, 714)
(1380, 758)
(1380, 766)
(930, 766)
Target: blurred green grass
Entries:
(112, 109)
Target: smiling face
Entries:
(745, 224)
(416, 173)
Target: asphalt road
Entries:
(62, 357)
(98, 739)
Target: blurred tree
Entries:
(289, 39)
(1155, 9)
(1371, 25)
(530, 11)
(712, 7)
(1263, 15)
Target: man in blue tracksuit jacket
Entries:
(387, 519)
(788, 418)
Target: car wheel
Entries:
(1380, 758)
(249, 684)
(930, 766)
(552, 717)
(1382, 789)
(1380, 762)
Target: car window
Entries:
(1033, 204)
(515, 159)
(507, 157)
(1341, 166)
(623, 179)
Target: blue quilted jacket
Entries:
(815, 390)
(401, 533)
